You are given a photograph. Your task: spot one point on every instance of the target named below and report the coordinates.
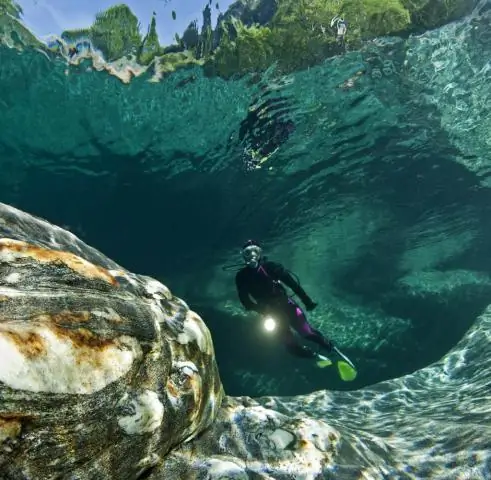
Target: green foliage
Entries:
(151, 46)
(10, 7)
(434, 13)
(205, 43)
(377, 17)
(250, 51)
(300, 34)
(190, 37)
(116, 32)
(72, 36)
(172, 61)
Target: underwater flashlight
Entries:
(269, 324)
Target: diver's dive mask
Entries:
(252, 255)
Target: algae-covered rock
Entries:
(170, 62)
(102, 371)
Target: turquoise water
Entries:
(370, 192)
(367, 175)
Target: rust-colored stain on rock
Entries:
(82, 337)
(89, 347)
(66, 316)
(303, 443)
(45, 255)
(171, 388)
(30, 344)
(9, 428)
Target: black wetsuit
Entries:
(264, 285)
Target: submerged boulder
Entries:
(434, 423)
(102, 371)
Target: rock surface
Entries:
(435, 423)
(102, 371)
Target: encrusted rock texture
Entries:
(102, 371)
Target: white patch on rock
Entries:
(146, 463)
(186, 367)
(123, 274)
(52, 240)
(109, 314)
(281, 438)
(219, 469)
(261, 414)
(8, 255)
(12, 278)
(146, 414)
(156, 289)
(38, 360)
(194, 331)
(156, 351)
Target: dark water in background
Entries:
(368, 191)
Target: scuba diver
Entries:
(262, 280)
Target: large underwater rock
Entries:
(435, 423)
(102, 372)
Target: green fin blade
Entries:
(346, 371)
(324, 363)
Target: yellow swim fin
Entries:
(323, 363)
(346, 371)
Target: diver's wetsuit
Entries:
(263, 285)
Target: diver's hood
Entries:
(252, 255)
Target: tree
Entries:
(116, 32)
(150, 46)
(11, 8)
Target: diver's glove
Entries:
(310, 306)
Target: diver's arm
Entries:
(244, 297)
(282, 274)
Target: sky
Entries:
(47, 17)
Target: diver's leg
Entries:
(291, 344)
(299, 322)
(320, 339)
(294, 348)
